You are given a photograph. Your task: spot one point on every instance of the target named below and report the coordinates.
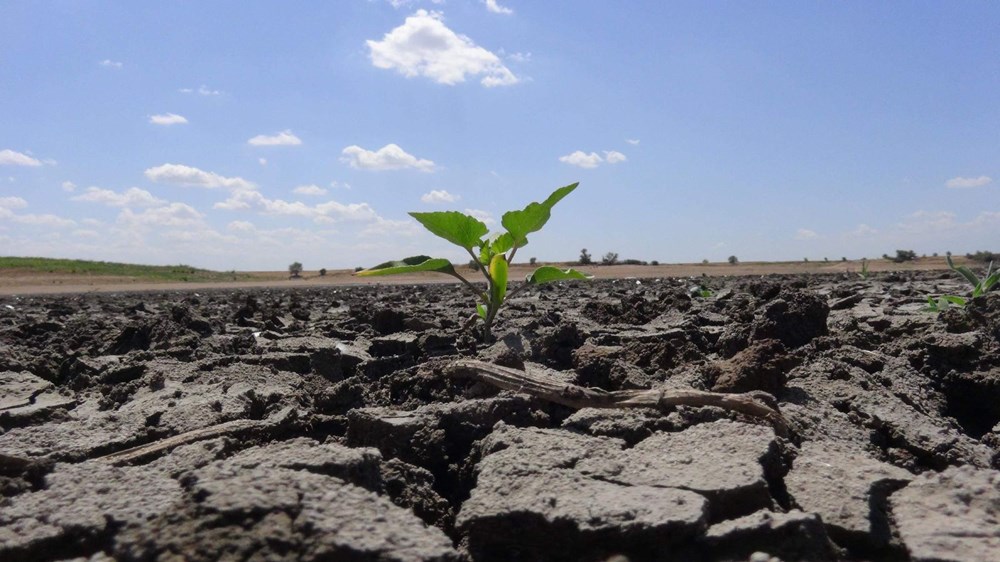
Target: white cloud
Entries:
(863, 230)
(582, 159)
(174, 214)
(333, 210)
(167, 119)
(633, 142)
(108, 63)
(384, 227)
(263, 161)
(180, 174)
(241, 226)
(481, 215)
(389, 157)
(68, 186)
(518, 57)
(439, 196)
(805, 234)
(202, 91)
(961, 183)
(492, 6)
(132, 197)
(424, 46)
(81, 233)
(10, 158)
(928, 221)
(12, 203)
(614, 157)
(284, 138)
(309, 190)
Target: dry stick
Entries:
(137, 453)
(554, 390)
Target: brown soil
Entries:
(316, 420)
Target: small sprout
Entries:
(700, 291)
(491, 255)
(865, 274)
(942, 303)
(980, 286)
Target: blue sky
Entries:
(247, 135)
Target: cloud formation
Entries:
(389, 157)
(179, 174)
(330, 211)
(439, 196)
(284, 138)
(805, 234)
(108, 63)
(9, 157)
(493, 6)
(582, 159)
(964, 183)
(167, 119)
(310, 190)
(424, 46)
(132, 197)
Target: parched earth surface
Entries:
(324, 424)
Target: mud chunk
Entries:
(953, 515)
(555, 346)
(985, 312)
(727, 462)
(412, 487)
(762, 366)
(435, 435)
(789, 536)
(80, 508)
(530, 501)
(848, 490)
(281, 514)
(794, 318)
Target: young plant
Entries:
(979, 286)
(493, 254)
(865, 274)
(943, 302)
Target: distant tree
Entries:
(935, 254)
(805, 260)
(532, 261)
(704, 262)
(843, 259)
(322, 272)
(585, 258)
(610, 258)
(295, 270)
(357, 269)
(733, 260)
(654, 262)
(904, 255)
(474, 265)
(826, 259)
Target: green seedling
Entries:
(943, 303)
(865, 274)
(494, 253)
(700, 291)
(979, 285)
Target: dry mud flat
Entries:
(324, 424)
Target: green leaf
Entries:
(457, 228)
(412, 264)
(548, 274)
(964, 272)
(957, 301)
(481, 310)
(533, 217)
(498, 272)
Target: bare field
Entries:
(21, 282)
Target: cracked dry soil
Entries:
(319, 424)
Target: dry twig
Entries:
(553, 390)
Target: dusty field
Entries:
(17, 282)
(314, 422)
